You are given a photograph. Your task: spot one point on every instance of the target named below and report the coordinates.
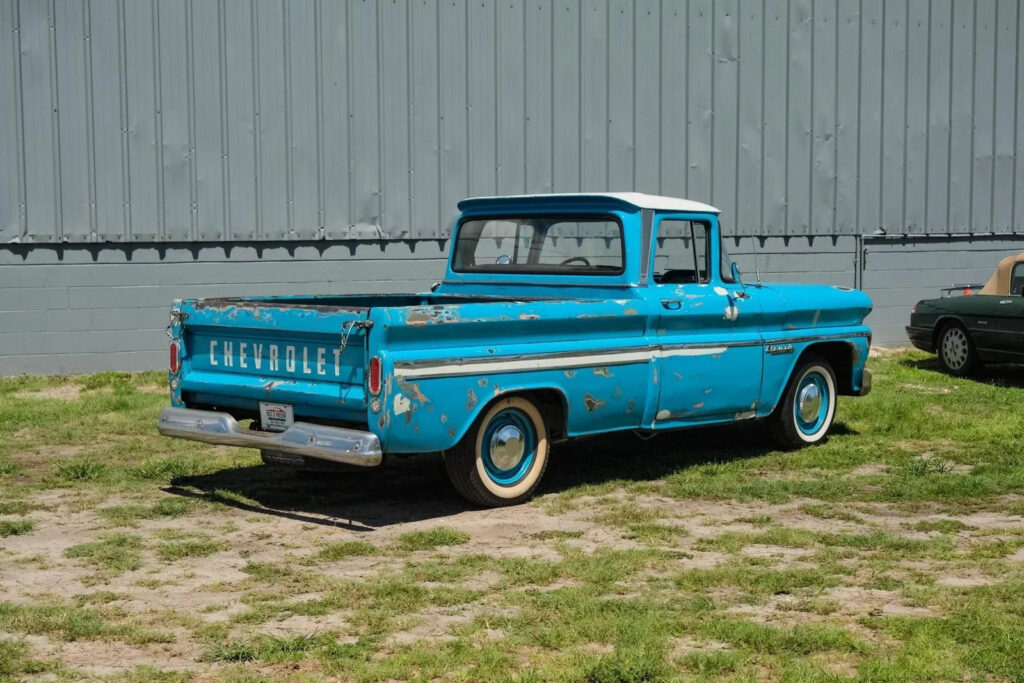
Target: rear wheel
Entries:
(956, 350)
(809, 406)
(502, 458)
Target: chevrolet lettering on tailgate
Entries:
(318, 360)
(558, 316)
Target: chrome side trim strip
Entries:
(454, 367)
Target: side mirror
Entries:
(736, 274)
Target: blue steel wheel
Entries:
(812, 402)
(508, 447)
(809, 405)
(501, 459)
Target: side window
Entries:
(1017, 280)
(681, 252)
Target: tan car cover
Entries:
(999, 283)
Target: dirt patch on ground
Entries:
(62, 392)
(271, 557)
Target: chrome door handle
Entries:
(671, 304)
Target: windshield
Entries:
(547, 245)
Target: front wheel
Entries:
(809, 406)
(502, 457)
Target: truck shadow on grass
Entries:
(417, 488)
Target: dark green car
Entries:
(986, 326)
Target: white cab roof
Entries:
(637, 199)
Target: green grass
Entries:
(183, 544)
(116, 553)
(69, 623)
(333, 552)
(431, 538)
(128, 515)
(691, 556)
(17, 527)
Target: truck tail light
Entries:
(175, 361)
(373, 376)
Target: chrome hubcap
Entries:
(508, 445)
(954, 347)
(809, 403)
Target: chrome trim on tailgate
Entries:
(336, 444)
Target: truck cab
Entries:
(558, 316)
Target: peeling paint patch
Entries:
(401, 405)
(708, 391)
(631, 405)
(629, 311)
(721, 291)
(444, 418)
(663, 415)
(678, 376)
(698, 405)
(746, 415)
(451, 433)
(602, 372)
(529, 316)
(817, 315)
(731, 312)
(428, 315)
(470, 399)
(413, 390)
(593, 404)
(482, 381)
(618, 392)
(570, 373)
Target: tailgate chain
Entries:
(348, 326)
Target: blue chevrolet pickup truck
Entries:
(559, 316)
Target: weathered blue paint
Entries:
(616, 352)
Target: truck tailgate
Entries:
(237, 353)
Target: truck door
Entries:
(709, 348)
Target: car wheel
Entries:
(808, 407)
(502, 458)
(956, 350)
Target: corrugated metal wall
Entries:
(193, 120)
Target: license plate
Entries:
(276, 417)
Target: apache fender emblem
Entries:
(779, 349)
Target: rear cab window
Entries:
(542, 245)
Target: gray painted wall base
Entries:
(89, 309)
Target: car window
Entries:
(540, 244)
(681, 252)
(1017, 280)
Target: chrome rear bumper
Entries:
(336, 444)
